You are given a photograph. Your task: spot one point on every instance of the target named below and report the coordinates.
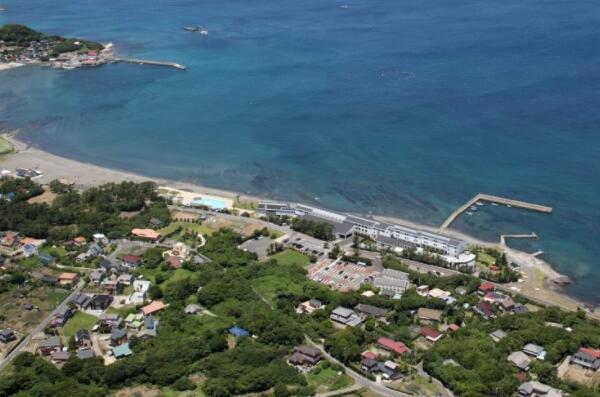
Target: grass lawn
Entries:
(419, 385)
(484, 258)
(288, 257)
(5, 146)
(327, 379)
(78, 321)
(244, 205)
(179, 274)
(201, 229)
(269, 286)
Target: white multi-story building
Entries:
(385, 234)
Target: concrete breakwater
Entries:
(493, 199)
(148, 62)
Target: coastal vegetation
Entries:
(5, 146)
(316, 229)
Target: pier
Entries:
(147, 62)
(493, 199)
(531, 236)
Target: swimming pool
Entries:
(208, 202)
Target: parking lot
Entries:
(340, 275)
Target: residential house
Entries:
(83, 339)
(304, 356)
(122, 351)
(193, 309)
(145, 234)
(100, 302)
(60, 357)
(110, 284)
(371, 311)
(153, 307)
(125, 279)
(67, 278)
(486, 287)
(431, 334)
(150, 327)
(345, 316)
(61, 317)
(100, 238)
(520, 360)
(392, 346)
(426, 314)
(134, 321)
(484, 310)
(520, 308)
(47, 260)
(82, 301)
(238, 332)
(131, 261)
(97, 276)
(537, 389)
(118, 336)
(29, 249)
(423, 290)
(49, 346)
(586, 358)
(462, 291)
(174, 262)
(368, 355)
(84, 354)
(389, 370)
(533, 350)
(454, 327)
(369, 365)
(309, 306)
(109, 320)
(50, 280)
(507, 305)
(7, 335)
(139, 294)
(498, 335)
(79, 241)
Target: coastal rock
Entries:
(562, 280)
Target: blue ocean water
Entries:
(393, 107)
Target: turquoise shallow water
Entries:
(401, 108)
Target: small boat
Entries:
(344, 6)
(473, 208)
(469, 213)
(509, 206)
(479, 203)
(495, 204)
(191, 28)
(204, 32)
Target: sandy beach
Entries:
(10, 65)
(537, 283)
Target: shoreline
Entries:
(539, 273)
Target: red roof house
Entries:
(453, 327)
(431, 334)
(593, 352)
(391, 345)
(174, 262)
(486, 287)
(484, 309)
(368, 355)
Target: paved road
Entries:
(358, 378)
(40, 327)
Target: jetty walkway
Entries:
(531, 236)
(147, 62)
(493, 199)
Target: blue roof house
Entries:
(238, 332)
